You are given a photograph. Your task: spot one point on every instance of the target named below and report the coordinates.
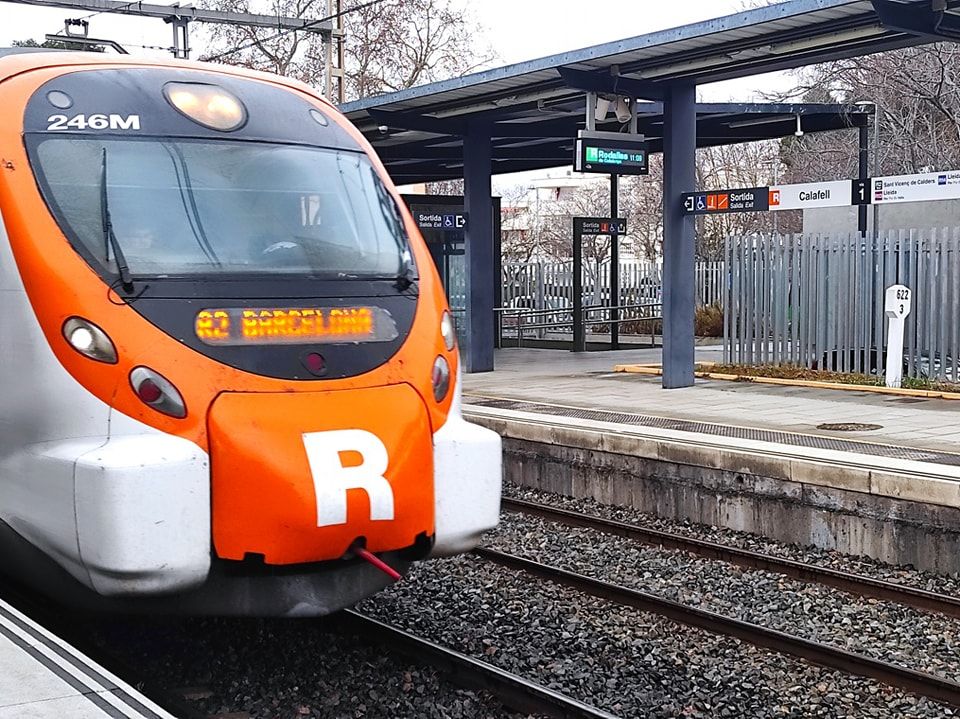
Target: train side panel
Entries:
(122, 507)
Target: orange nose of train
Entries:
(304, 477)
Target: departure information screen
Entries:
(612, 157)
(294, 325)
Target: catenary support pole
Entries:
(181, 37)
(614, 266)
(478, 247)
(679, 281)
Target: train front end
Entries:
(227, 361)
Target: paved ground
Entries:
(587, 380)
(44, 677)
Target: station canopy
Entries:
(534, 109)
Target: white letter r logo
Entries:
(331, 479)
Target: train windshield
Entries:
(187, 208)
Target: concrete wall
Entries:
(897, 511)
(892, 530)
(913, 215)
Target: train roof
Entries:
(15, 60)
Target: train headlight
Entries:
(440, 377)
(155, 390)
(208, 105)
(448, 331)
(89, 340)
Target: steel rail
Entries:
(853, 583)
(908, 680)
(513, 691)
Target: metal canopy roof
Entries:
(528, 139)
(534, 108)
(781, 36)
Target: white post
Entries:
(896, 305)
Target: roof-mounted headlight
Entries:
(207, 105)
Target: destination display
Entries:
(811, 194)
(612, 156)
(916, 188)
(599, 226)
(294, 325)
(840, 193)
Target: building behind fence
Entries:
(817, 300)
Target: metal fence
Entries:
(710, 283)
(540, 285)
(817, 300)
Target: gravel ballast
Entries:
(286, 669)
(884, 630)
(908, 576)
(627, 662)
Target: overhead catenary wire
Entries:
(100, 12)
(254, 43)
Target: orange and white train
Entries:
(227, 364)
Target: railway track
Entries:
(513, 691)
(848, 582)
(826, 655)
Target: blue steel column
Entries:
(679, 275)
(478, 247)
(614, 266)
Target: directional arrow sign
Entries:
(599, 226)
(719, 202)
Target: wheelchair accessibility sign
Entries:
(448, 222)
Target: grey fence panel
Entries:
(548, 285)
(953, 264)
(764, 277)
(908, 276)
(817, 300)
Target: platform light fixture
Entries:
(761, 121)
(603, 108)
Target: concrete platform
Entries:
(748, 457)
(43, 677)
(588, 380)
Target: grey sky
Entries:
(516, 29)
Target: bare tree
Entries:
(397, 44)
(741, 165)
(445, 187)
(727, 166)
(388, 46)
(641, 203)
(519, 241)
(916, 92)
(296, 54)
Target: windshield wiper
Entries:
(406, 276)
(391, 213)
(109, 238)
